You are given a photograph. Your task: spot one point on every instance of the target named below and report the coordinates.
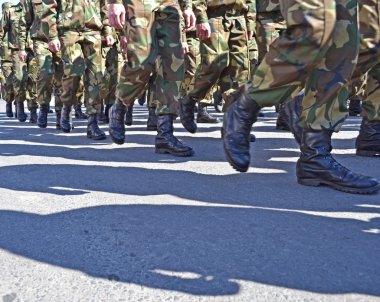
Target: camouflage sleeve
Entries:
(49, 19)
(4, 25)
(200, 11)
(187, 4)
(26, 21)
(107, 29)
(251, 15)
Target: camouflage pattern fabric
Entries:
(49, 76)
(7, 71)
(10, 25)
(371, 99)
(318, 52)
(253, 53)
(153, 34)
(81, 55)
(113, 61)
(192, 60)
(224, 56)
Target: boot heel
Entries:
(309, 182)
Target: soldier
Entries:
(23, 72)
(318, 52)
(49, 65)
(153, 32)
(7, 70)
(224, 29)
(76, 27)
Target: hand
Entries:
(185, 47)
(116, 15)
(250, 35)
(55, 46)
(189, 19)
(203, 31)
(110, 41)
(22, 55)
(123, 44)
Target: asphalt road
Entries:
(92, 221)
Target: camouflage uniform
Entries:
(49, 65)
(24, 73)
(79, 25)
(163, 19)
(224, 56)
(7, 71)
(269, 25)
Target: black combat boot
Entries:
(116, 124)
(93, 130)
(368, 140)
(43, 115)
(293, 109)
(142, 99)
(354, 107)
(78, 112)
(282, 122)
(106, 113)
(252, 137)
(8, 109)
(204, 117)
(237, 124)
(186, 110)
(316, 166)
(151, 123)
(66, 122)
(58, 119)
(166, 142)
(21, 115)
(129, 115)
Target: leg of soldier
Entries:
(214, 53)
(57, 83)
(81, 98)
(368, 141)
(192, 60)
(141, 52)
(170, 74)
(105, 83)
(8, 92)
(323, 50)
(153, 103)
(73, 69)
(45, 68)
(91, 48)
(20, 73)
(31, 87)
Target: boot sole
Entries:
(151, 128)
(168, 151)
(42, 125)
(367, 153)
(116, 141)
(96, 138)
(317, 183)
(232, 163)
(207, 122)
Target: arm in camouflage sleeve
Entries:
(107, 29)
(26, 21)
(251, 16)
(49, 19)
(187, 4)
(200, 11)
(4, 25)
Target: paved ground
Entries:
(92, 221)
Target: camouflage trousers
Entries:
(151, 36)
(192, 60)
(318, 52)
(369, 57)
(49, 74)
(224, 57)
(24, 79)
(81, 55)
(253, 54)
(7, 93)
(113, 61)
(269, 25)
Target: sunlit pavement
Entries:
(93, 221)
